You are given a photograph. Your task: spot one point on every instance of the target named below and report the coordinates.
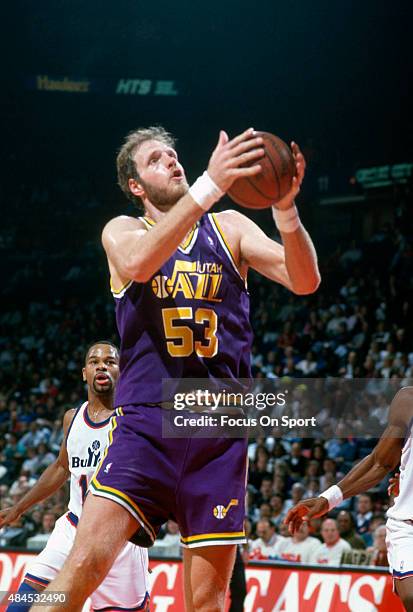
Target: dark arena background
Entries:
(335, 78)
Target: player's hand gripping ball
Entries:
(275, 180)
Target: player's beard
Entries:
(165, 197)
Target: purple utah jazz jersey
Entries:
(190, 320)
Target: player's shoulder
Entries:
(229, 216)
(405, 394)
(120, 224)
(401, 409)
(68, 417)
(232, 222)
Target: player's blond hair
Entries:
(125, 163)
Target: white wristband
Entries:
(205, 192)
(288, 220)
(334, 496)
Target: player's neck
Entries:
(98, 407)
(153, 213)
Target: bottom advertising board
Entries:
(271, 587)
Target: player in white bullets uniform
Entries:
(85, 439)
(394, 447)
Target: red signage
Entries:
(271, 588)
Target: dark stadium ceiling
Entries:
(307, 70)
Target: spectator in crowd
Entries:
(46, 457)
(39, 541)
(171, 540)
(377, 520)
(307, 366)
(379, 548)
(300, 548)
(56, 436)
(277, 509)
(297, 463)
(48, 522)
(333, 546)
(364, 513)
(279, 485)
(32, 462)
(265, 491)
(35, 435)
(14, 534)
(315, 528)
(346, 528)
(259, 470)
(297, 494)
(264, 546)
(265, 511)
(330, 473)
(313, 488)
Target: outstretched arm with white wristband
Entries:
(300, 255)
(367, 473)
(292, 263)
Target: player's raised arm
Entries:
(136, 254)
(54, 476)
(294, 264)
(366, 474)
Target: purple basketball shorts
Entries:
(198, 482)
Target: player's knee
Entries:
(93, 562)
(206, 604)
(209, 597)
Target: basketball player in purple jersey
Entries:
(178, 278)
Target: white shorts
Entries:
(124, 587)
(399, 541)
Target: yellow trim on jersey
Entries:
(184, 245)
(148, 221)
(116, 493)
(113, 491)
(219, 228)
(213, 536)
(122, 289)
(187, 243)
(227, 248)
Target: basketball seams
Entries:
(255, 187)
(274, 171)
(285, 161)
(273, 183)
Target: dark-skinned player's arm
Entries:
(54, 476)
(366, 474)
(136, 254)
(293, 264)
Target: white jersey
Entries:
(331, 555)
(85, 442)
(297, 552)
(402, 509)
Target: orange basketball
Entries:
(273, 182)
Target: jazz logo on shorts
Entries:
(220, 512)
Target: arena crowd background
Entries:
(78, 79)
